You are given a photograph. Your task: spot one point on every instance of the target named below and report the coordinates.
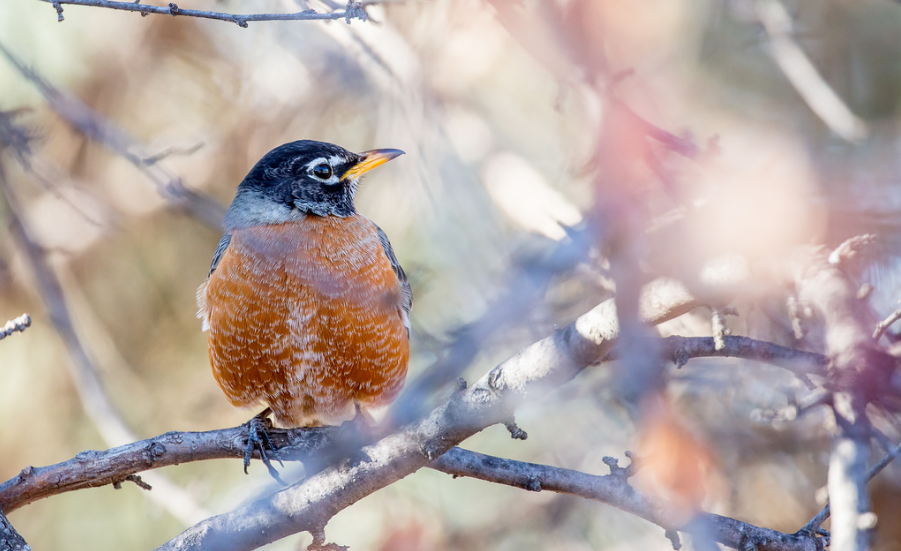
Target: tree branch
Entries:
(800, 362)
(354, 10)
(804, 77)
(821, 517)
(883, 325)
(17, 325)
(97, 405)
(94, 469)
(95, 127)
(615, 490)
(859, 372)
(10, 540)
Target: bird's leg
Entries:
(257, 437)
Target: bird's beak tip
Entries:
(371, 159)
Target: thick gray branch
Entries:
(91, 469)
(533, 372)
(94, 468)
(10, 540)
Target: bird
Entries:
(306, 306)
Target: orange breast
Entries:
(306, 317)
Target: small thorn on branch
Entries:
(59, 11)
(319, 543)
(865, 291)
(17, 325)
(624, 472)
(133, 478)
(515, 432)
(673, 536)
(355, 10)
(680, 358)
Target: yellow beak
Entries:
(370, 160)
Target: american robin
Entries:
(305, 303)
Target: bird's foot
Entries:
(258, 437)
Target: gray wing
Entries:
(401, 277)
(220, 250)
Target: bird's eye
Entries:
(323, 171)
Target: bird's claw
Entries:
(258, 437)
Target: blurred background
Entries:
(556, 150)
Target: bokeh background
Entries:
(519, 123)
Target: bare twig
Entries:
(681, 146)
(883, 325)
(95, 127)
(92, 469)
(354, 10)
(802, 74)
(680, 349)
(90, 388)
(612, 489)
(19, 324)
(14, 136)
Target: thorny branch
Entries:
(354, 10)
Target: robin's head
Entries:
(301, 178)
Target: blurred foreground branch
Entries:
(802, 74)
(859, 374)
(95, 127)
(354, 10)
